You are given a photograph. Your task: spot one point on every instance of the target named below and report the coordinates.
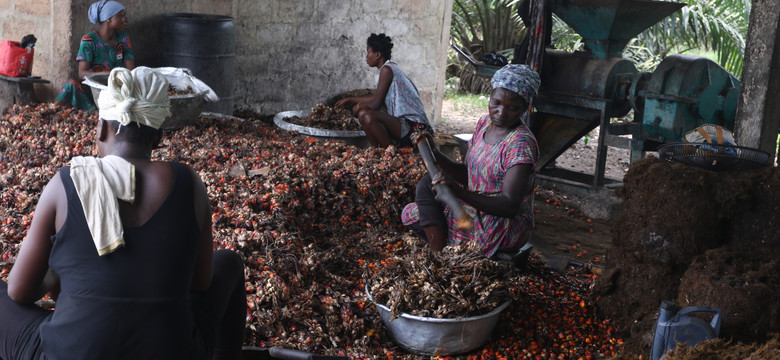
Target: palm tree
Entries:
(719, 26)
(481, 26)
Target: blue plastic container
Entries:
(678, 326)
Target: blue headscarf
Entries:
(518, 78)
(103, 10)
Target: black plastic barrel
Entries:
(205, 44)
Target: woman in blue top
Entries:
(405, 113)
(100, 51)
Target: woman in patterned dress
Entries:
(405, 113)
(100, 51)
(496, 181)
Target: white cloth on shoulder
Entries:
(100, 184)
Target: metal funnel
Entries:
(606, 26)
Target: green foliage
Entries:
(712, 28)
(482, 26)
(704, 27)
(451, 84)
(564, 38)
(466, 102)
(643, 57)
(719, 26)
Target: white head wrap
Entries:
(139, 96)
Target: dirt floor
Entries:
(592, 288)
(685, 234)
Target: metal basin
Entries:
(185, 109)
(356, 138)
(433, 336)
(463, 143)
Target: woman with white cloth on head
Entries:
(124, 245)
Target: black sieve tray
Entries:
(716, 157)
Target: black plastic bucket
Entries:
(205, 44)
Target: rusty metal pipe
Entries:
(443, 192)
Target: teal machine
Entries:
(587, 89)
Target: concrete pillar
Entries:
(758, 111)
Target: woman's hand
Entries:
(418, 136)
(51, 284)
(439, 178)
(445, 179)
(344, 102)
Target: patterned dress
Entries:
(101, 57)
(487, 165)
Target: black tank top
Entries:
(134, 302)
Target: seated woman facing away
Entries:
(124, 244)
(405, 113)
(496, 181)
(100, 51)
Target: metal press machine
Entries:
(586, 89)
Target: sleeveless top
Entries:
(134, 302)
(403, 99)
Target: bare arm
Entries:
(507, 204)
(28, 280)
(84, 69)
(201, 279)
(352, 100)
(375, 100)
(456, 171)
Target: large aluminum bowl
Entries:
(185, 109)
(433, 336)
(357, 138)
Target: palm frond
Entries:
(493, 24)
(715, 25)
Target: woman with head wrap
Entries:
(396, 92)
(100, 51)
(123, 243)
(496, 181)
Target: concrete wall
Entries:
(293, 54)
(290, 54)
(49, 21)
(144, 17)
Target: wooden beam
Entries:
(758, 110)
